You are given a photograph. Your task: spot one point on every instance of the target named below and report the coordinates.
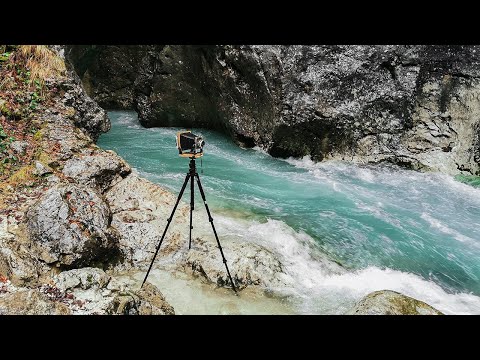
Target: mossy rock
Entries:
(387, 302)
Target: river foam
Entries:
(318, 286)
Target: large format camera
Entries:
(189, 145)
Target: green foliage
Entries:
(34, 100)
(4, 57)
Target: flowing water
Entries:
(417, 233)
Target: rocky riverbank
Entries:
(75, 218)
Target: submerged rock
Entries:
(70, 226)
(387, 302)
(249, 264)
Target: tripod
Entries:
(191, 175)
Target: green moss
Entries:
(38, 136)
(44, 158)
(22, 175)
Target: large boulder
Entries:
(99, 170)
(140, 209)
(249, 264)
(387, 302)
(70, 227)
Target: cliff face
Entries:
(417, 106)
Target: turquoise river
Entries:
(417, 233)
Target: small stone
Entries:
(84, 278)
(19, 147)
(41, 170)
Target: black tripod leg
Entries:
(168, 224)
(214, 231)
(192, 207)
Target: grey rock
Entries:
(387, 302)
(18, 265)
(95, 63)
(92, 291)
(17, 262)
(100, 170)
(70, 226)
(249, 264)
(30, 302)
(88, 115)
(19, 147)
(139, 212)
(84, 278)
(41, 170)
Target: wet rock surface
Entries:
(249, 264)
(146, 301)
(387, 302)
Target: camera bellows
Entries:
(189, 144)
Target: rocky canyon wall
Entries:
(417, 106)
